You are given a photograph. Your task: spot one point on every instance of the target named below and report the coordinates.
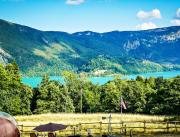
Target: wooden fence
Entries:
(119, 128)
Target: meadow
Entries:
(66, 118)
(82, 122)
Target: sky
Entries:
(91, 15)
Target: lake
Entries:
(34, 81)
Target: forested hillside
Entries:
(146, 96)
(39, 52)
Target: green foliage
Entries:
(166, 100)
(14, 96)
(52, 97)
(149, 96)
(75, 85)
(26, 96)
(91, 98)
(135, 96)
(110, 97)
(123, 65)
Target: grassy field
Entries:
(79, 119)
(82, 118)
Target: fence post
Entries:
(22, 129)
(125, 130)
(144, 126)
(100, 128)
(74, 131)
(122, 128)
(167, 126)
(131, 133)
(80, 128)
(175, 126)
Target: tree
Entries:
(26, 95)
(14, 96)
(135, 97)
(167, 98)
(110, 98)
(91, 98)
(53, 97)
(75, 84)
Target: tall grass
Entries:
(79, 119)
(82, 118)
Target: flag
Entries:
(123, 104)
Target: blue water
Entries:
(34, 81)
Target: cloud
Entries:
(155, 13)
(146, 26)
(74, 2)
(176, 22)
(178, 13)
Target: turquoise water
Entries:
(34, 81)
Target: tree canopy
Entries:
(143, 95)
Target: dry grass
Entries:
(76, 119)
(82, 118)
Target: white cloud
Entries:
(178, 13)
(146, 26)
(155, 13)
(176, 22)
(74, 2)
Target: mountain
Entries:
(38, 52)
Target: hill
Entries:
(38, 52)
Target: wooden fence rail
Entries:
(123, 127)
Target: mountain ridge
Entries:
(2, 20)
(38, 52)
